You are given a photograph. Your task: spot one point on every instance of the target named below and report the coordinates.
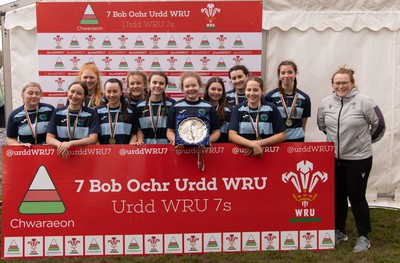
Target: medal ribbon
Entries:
(90, 102)
(75, 124)
(256, 124)
(154, 124)
(113, 123)
(200, 160)
(32, 126)
(236, 98)
(289, 114)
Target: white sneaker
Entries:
(362, 244)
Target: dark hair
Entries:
(164, 106)
(238, 67)
(136, 73)
(82, 84)
(294, 66)
(221, 101)
(124, 104)
(344, 70)
(256, 79)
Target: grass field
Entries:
(385, 247)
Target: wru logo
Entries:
(304, 181)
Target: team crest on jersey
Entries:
(42, 117)
(201, 111)
(80, 122)
(263, 117)
(165, 111)
(298, 103)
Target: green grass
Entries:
(385, 247)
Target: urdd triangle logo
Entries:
(42, 196)
(89, 17)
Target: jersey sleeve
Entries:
(214, 120)
(234, 121)
(171, 118)
(12, 127)
(52, 127)
(94, 124)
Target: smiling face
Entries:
(76, 96)
(157, 85)
(91, 80)
(238, 79)
(342, 84)
(287, 74)
(253, 93)
(113, 94)
(31, 97)
(190, 88)
(136, 86)
(215, 91)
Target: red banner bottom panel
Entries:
(128, 200)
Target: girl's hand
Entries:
(180, 147)
(63, 148)
(248, 152)
(257, 149)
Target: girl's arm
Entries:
(171, 136)
(139, 137)
(254, 147)
(214, 135)
(133, 139)
(14, 141)
(276, 138)
(304, 123)
(52, 140)
(63, 147)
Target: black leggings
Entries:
(351, 178)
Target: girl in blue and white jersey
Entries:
(192, 105)
(293, 104)
(117, 119)
(75, 124)
(216, 95)
(152, 112)
(136, 84)
(27, 125)
(256, 123)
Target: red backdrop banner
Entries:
(128, 200)
(171, 16)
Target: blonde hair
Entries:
(32, 84)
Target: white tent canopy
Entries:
(337, 15)
(319, 36)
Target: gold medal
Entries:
(113, 124)
(289, 122)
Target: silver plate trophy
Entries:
(192, 131)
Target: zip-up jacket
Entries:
(352, 123)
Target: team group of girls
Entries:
(244, 115)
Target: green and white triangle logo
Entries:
(42, 196)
